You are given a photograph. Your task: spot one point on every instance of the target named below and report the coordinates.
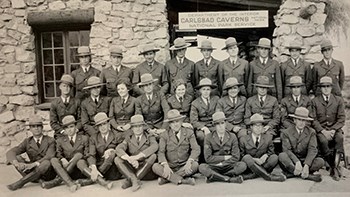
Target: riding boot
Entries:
(66, 178)
(100, 180)
(32, 176)
(217, 177)
(129, 174)
(53, 183)
(260, 171)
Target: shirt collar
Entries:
(126, 98)
(299, 131)
(324, 97)
(296, 97)
(73, 137)
(64, 99)
(87, 68)
(40, 139)
(255, 136)
(98, 98)
(149, 95)
(326, 61)
(180, 59)
(233, 60)
(263, 59)
(178, 98)
(106, 135)
(208, 60)
(263, 97)
(116, 67)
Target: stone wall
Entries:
(290, 27)
(129, 23)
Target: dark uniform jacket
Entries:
(97, 146)
(288, 106)
(214, 151)
(184, 107)
(240, 71)
(303, 69)
(335, 70)
(234, 113)
(270, 110)
(46, 151)
(157, 71)
(119, 112)
(201, 71)
(153, 111)
(80, 81)
(201, 114)
(301, 147)
(64, 149)
(110, 77)
(59, 110)
(328, 116)
(272, 71)
(89, 109)
(148, 145)
(247, 146)
(184, 71)
(177, 152)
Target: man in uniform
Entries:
(329, 67)
(40, 149)
(328, 112)
(115, 71)
(264, 104)
(92, 105)
(296, 66)
(178, 152)
(208, 67)
(234, 66)
(63, 106)
(221, 153)
(83, 73)
(266, 66)
(299, 146)
(150, 65)
(180, 67)
(258, 151)
(136, 154)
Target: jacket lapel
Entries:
(216, 138)
(154, 98)
(251, 141)
(142, 141)
(110, 138)
(172, 136)
(43, 143)
(182, 136)
(226, 139)
(228, 101)
(77, 142)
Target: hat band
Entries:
(179, 46)
(137, 123)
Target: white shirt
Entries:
(178, 98)
(233, 100)
(116, 68)
(105, 137)
(325, 97)
(97, 98)
(138, 138)
(221, 137)
(73, 138)
(206, 100)
(180, 60)
(295, 61)
(256, 138)
(233, 60)
(207, 61)
(296, 97)
(38, 140)
(263, 60)
(125, 98)
(178, 134)
(262, 97)
(65, 100)
(326, 61)
(86, 69)
(299, 131)
(149, 96)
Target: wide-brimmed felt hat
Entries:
(295, 81)
(205, 82)
(100, 118)
(264, 43)
(67, 79)
(116, 51)
(301, 113)
(93, 82)
(179, 43)
(146, 78)
(263, 81)
(137, 120)
(173, 115)
(34, 120)
(83, 51)
(231, 82)
(148, 48)
(230, 41)
(326, 43)
(68, 120)
(206, 44)
(295, 45)
(256, 118)
(218, 117)
(325, 81)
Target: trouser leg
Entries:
(212, 175)
(63, 174)
(146, 168)
(83, 167)
(271, 163)
(107, 163)
(237, 169)
(159, 170)
(286, 163)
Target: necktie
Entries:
(233, 62)
(261, 101)
(208, 103)
(85, 70)
(221, 140)
(328, 63)
(105, 139)
(138, 139)
(38, 143)
(297, 100)
(327, 99)
(257, 142)
(295, 63)
(264, 62)
(116, 71)
(176, 135)
(71, 141)
(206, 63)
(233, 103)
(96, 101)
(181, 100)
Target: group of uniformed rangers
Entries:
(222, 119)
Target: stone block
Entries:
(100, 17)
(318, 18)
(7, 49)
(3, 33)
(320, 29)
(8, 41)
(126, 33)
(284, 30)
(23, 113)
(8, 80)
(73, 4)
(26, 79)
(18, 4)
(315, 49)
(23, 100)
(45, 115)
(139, 35)
(159, 33)
(13, 68)
(163, 43)
(28, 67)
(57, 5)
(314, 40)
(20, 13)
(10, 58)
(306, 30)
(5, 17)
(138, 7)
(103, 7)
(3, 100)
(14, 127)
(286, 40)
(129, 22)
(144, 2)
(113, 24)
(5, 4)
(119, 1)
(320, 7)
(30, 90)
(289, 19)
(24, 56)
(19, 137)
(131, 43)
(6, 117)
(11, 107)
(25, 29)
(5, 141)
(124, 6)
(100, 31)
(34, 3)
(14, 34)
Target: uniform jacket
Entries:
(214, 151)
(153, 111)
(300, 147)
(46, 151)
(272, 71)
(335, 71)
(89, 109)
(234, 113)
(59, 110)
(184, 71)
(270, 110)
(148, 145)
(201, 115)
(157, 71)
(240, 71)
(303, 69)
(184, 107)
(328, 116)
(97, 146)
(80, 81)
(110, 77)
(65, 150)
(211, 71)
(176, 153)
(288, 106)
(247, 146)
(119, 112)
